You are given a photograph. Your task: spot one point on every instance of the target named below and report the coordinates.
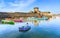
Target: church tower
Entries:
(36, 10)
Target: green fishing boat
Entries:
(7, 22)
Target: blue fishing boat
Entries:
(24, 28)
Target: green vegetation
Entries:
(48, 12)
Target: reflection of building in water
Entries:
(36, 22)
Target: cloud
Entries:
(22, 3)
(17, 5)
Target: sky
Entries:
(52, 6)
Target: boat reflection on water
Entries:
(24, 28)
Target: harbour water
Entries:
(45, 29)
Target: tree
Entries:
(48, 12)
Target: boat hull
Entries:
(7, 22)
(18, 21)
(24, 29)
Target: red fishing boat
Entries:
(18, 20)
